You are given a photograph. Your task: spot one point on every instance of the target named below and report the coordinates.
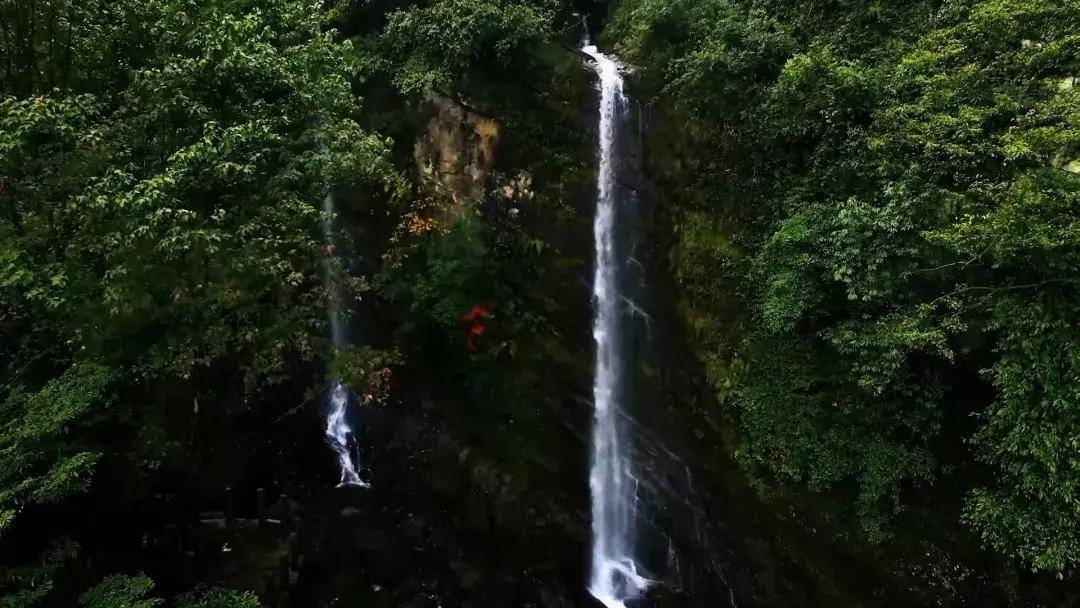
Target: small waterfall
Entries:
(614, 577)
(338, 432)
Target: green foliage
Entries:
(174, 223)
(218, 598)
(446, 274)
(162, 168)
(700, 53)
(28, 585)
(173, 175)
(1030, 436)
(901, 176)
(124, 591)
(120, 591)
(57, 43)
(369, 371)
(431, 47)
(44, 459)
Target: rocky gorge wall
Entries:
(456, 150)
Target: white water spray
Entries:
(338, 432)
(614, 577)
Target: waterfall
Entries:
(338, 432)
(614, 577)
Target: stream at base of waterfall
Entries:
(614, 577)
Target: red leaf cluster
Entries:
(475, 318)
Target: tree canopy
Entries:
(870, 212)
(876, 239)
(161, 181)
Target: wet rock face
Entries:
(456, 149)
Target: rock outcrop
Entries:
(456, 150)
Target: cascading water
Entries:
(338, 433)
(614, 577)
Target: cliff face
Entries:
(456, 149)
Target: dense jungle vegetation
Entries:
(876, 213)
(869, 212)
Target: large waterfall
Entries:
(338, 433)
(614, 577)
